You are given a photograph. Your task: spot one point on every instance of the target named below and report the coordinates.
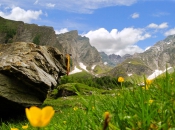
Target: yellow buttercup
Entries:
(39, 117)
(120, 79)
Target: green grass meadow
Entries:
(149, 107)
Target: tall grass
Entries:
(139, 108)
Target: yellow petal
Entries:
(47, 114)
(28, 114)
(151, 101)
(148, 82)
(25, 127)
(14, 129)
(34, 116)
(120, 79)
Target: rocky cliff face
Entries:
(80, 48)
(16, 31)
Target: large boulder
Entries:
(27, 73)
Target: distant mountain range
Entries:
(156, 58)
(113, 60)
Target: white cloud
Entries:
(131, 49)
(170, 32)
(64, 30)
(19, 14)
(135, 15)
(117, 42)
(50, 5)
(156, 26)
(163, 25)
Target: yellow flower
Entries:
(120, 79)
(14, 129)
(25, 126)
(151, 101)
(75, 108)
(93, 108)
(39, 117)
(148, 82)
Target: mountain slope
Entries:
(17, 31)
(158, 57)
(80, 48)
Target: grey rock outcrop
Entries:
(27, 73)
(80, 48)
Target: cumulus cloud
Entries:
(156, 26)
(19, 14)
(64, 30)
(117, 42)
(170, 32)
(135, 15)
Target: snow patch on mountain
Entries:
(157, 73)
(76, 70)
(105, 63)
(147, 48)
(93, 67)
(83, 66)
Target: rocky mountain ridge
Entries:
(157, 57)
(80, 49)
(113, 59)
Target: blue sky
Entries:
(113, 26)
